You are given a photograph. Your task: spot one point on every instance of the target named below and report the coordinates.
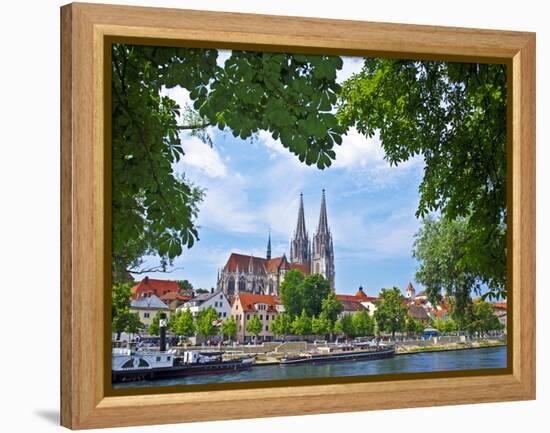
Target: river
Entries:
(470, 359)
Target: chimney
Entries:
(162, 332)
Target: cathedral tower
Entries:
(299, 246)
(322, 251)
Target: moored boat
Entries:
(340, 354)
(134, 365)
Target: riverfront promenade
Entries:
(270, 353)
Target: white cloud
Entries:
(358, 150)
(351, 66)
(202, 157)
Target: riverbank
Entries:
(269, 359)
(448, 347)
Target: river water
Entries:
(472, 359)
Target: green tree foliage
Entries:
(134, 324)
(206, 322)
(454, 116)
(321, 325)
(281, 325)
(443, 266)
(185, 325)
(338, 327)
(314, 289)
(254, 327)
(390, 312)
(201, 291)
(348, 329)
(185, 285)
(414, 326)
(301, 325)
(299, 293)
(331, 306)
(154, 328)
(445, 325)
(291, 96)
(482, 318)
(121, 318)
(291, 295)
(229, 328)
(363, 324)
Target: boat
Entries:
(340, 353)
(130, 365)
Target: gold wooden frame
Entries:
(85, 30)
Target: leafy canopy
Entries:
(390, 314)
(453, 115)
(291, 96)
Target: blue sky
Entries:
(253, 186)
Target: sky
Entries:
(253, 187)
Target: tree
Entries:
(206, 322)
(347, 326)
(314, 289)
(185, 325)
(200, 291)
(414, 326)
(134, 324)
(229, 328)
(254, 327)
(362, 323)
(331, 306)
(291, 96)
(321, 325)
(154, 328)
(121, 318)
(338, 327)
(454, 116)
(443, 268)
(390, 312)
(291, 295)
(302, 324)
(483, 318)
(281, 325)
(185, 285)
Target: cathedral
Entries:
(246, 273)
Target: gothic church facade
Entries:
(247, 273)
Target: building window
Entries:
(224, 314)
(261, 317)
(267, 317)
(248, 317)
(266, 328)
(158, 358)
(221, 296)
(145, 315)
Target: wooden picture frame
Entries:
(86, 32)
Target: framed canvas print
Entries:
(312, 215)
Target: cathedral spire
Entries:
(268, 255)
(299, 246)
(323, 223)
(301, 224)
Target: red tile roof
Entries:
(242, 262)
(172, 296)
(358, 297)
(303, 268)
(352, 305)
(277, 262)
(249, 300)
(500, 305)
(154, 286)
